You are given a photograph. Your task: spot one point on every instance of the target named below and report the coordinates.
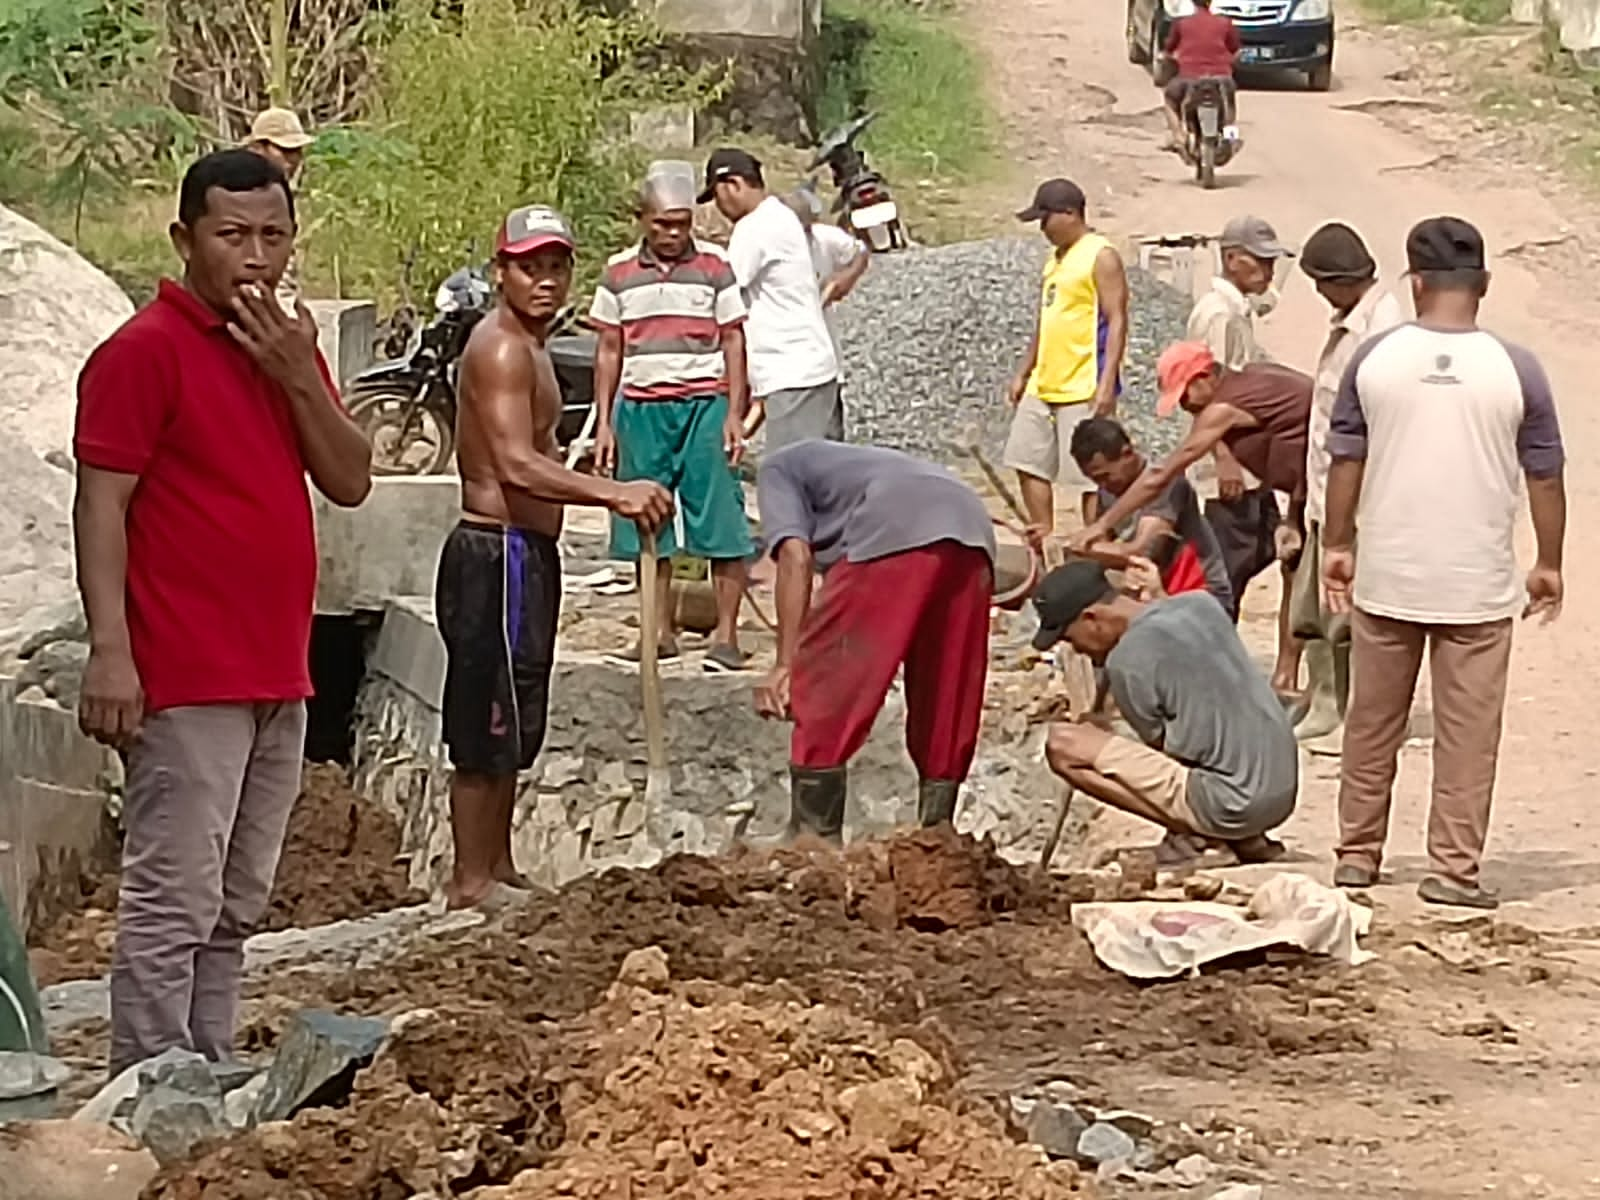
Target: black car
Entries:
(1294, 35)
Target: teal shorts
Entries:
(678, 444)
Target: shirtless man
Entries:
(499, 587)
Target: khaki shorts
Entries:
(1041, 439)
(1308, 617)
(1160, 781)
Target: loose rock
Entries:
(23, 1073)
(1192, 1170)
(1102, 1143)
(1239, 1191)
(171, 1121)
(1055, 1128)
(317, 1062)
(646, 968)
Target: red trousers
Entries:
(927, 609)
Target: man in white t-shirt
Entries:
(1436, 428)
(794, 373)
(838, 259)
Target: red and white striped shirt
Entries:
(672, 315)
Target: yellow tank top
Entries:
(1072, 329)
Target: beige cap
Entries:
(281, 127)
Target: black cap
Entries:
(1054, 196)
(1336, 253)
(729, 163)
(1063, 595)
(1444, 244)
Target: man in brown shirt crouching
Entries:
(1260, 412)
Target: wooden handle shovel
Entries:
(658, 781)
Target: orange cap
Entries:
(1180, 365)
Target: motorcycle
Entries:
(1212, 138)
(866, 207)
(406, 405)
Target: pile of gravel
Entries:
(932, 335)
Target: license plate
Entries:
(1251, 54)
(874, 215)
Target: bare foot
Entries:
(512, 878)
(491, 898)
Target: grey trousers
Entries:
(209, 790)
(799, 414)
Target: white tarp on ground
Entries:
(1157, 939)
(54, 309)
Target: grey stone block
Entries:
(317, 1062)
(24, 1073)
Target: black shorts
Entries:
(497, 601)
(1245, 530)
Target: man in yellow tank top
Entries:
(1073, 365)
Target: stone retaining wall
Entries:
(581, 809)
(55, 821)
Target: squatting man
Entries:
(1210, 773)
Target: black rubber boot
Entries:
(816, 802)
(936, 801)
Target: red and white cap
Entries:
(531, 228)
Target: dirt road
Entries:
(1450, 1120)
(1073, 105)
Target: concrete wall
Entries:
(55, 822)
(796, 20)
(346, 330)
(770, 45)
(387, 547)
(581, 809)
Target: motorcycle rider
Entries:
(1204, 45)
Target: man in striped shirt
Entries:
(671, 321)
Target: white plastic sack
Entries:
(1156, 939)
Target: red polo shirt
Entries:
(222, 557)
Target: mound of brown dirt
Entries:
(668, 1090)
(339, 857)
(339, 861)
(451, 1104)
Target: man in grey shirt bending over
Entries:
(908, 555)
(1218, 761)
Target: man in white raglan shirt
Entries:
(794, 373)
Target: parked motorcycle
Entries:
(1212, 138)
(407, 405)
(866, 207)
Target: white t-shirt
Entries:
(832, 250)
(786, 337)
(1447, 424)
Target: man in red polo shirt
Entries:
(198, 422)
(1204, 45)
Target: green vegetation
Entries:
(84, 118)
(436, 120)
(472, 116)
(908, 63)
(1481, 13)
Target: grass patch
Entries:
(1409, 12)
(909, 64)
